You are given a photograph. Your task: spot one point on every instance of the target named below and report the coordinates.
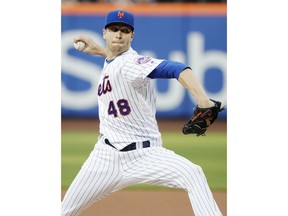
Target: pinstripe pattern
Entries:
(108, 170)
(129, 82)
(127, 114)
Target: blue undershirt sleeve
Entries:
(168, 69)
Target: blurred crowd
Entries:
(145, 1)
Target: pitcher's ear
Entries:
(104, 33)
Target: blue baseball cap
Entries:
(120, 16)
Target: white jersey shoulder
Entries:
(137, 67)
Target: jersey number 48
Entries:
(122, 106)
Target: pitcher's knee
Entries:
(191, 174)
(198, 170)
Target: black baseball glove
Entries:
(202, 118)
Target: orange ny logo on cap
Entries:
(120, 14)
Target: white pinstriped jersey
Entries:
(126, 99)
(127, 114)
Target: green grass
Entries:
(207, 151)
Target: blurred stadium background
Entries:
(193, 32)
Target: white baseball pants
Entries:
(108, 170)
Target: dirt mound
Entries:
(149, 203)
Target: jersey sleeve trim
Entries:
(168, 70)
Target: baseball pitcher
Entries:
(129, 148)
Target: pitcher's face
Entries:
(118, 37)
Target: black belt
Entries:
(131, 146)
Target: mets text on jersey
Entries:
(203, 49)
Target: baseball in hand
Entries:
(79, 45)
